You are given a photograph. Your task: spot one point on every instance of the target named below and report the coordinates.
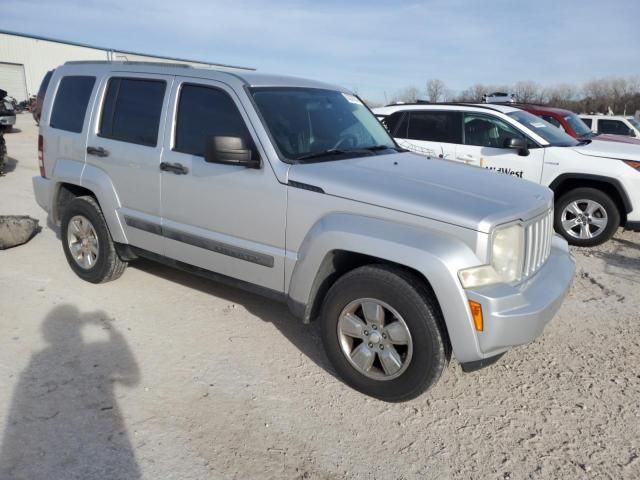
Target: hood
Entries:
(605, 137)
(443, 190)
(607, 149)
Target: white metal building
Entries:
(24, 60)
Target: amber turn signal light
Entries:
(633, 164)
(476, 313)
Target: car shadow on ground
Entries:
(621, 261)
(64, 420)
(13, 130)
(305, 337)
(10, 165)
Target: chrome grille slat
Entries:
(538, 236)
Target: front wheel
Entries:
(586, 217)
(382, 331)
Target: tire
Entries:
(105, 265)
(577, 207)
(428, 351)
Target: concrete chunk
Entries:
(16, 230)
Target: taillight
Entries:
(41, 155)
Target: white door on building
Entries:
(12, 80)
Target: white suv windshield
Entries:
(578, 125)
(634, 122)
(553, 135)
(310, 123)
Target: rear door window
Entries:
(70, 104)
(132, 109)
(444, 127)
(205, 112)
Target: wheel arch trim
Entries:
(435, 255)
(96, 181)
(614, 182)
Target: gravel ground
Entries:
(162, 375)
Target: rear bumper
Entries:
(7, 119)
(515, 315)
(42, 191)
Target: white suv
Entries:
(596, 184)
(613, 125)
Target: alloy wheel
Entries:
(375, 339)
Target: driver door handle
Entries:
(176, 168)
(97, 151)
(466, 157)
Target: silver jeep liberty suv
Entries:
(292, 188)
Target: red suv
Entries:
(572, 124)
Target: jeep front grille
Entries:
(537, 243)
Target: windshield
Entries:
(634, 122)
(307, 123)
(553, 135)
(578, 125)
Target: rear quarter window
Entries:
(131, 110)
(70, 104)
(445, 127)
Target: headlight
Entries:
(507, 256)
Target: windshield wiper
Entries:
(338, 151)
(324, 153)
(376, 148)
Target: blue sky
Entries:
(375, 47)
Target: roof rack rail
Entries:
(126, 62)
(488, 106)
(205, 66)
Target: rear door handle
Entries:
(176, 168)
(97, 151)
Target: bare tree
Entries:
(406, 95)
(436, 90)
(620, 94)
(472, 94)
(527, 92)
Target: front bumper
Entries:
(7, 120)
(633, 226)
(515, 315)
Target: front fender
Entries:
(434, 254)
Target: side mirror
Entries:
(519, 144)
(230, 151)
(632, 132)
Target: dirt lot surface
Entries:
(162, 375)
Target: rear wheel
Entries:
(87, 242)
(381, 329)
(586, 217)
